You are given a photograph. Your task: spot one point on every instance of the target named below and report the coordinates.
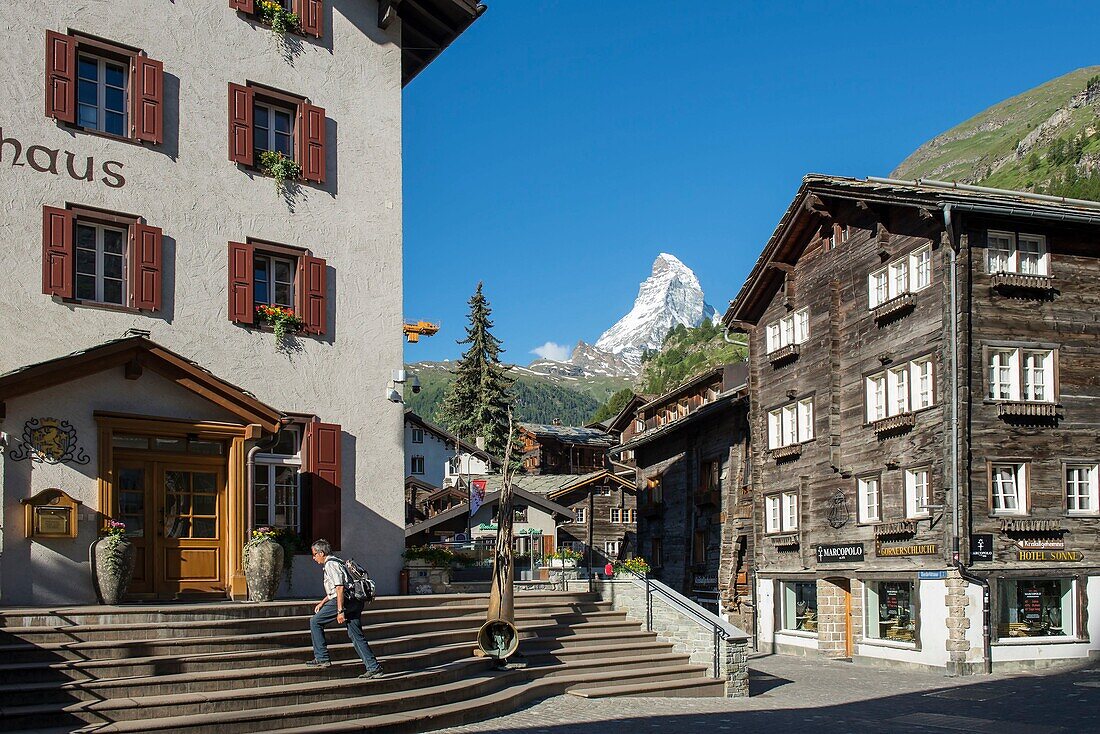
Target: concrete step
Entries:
(183, 661)
(182, 612)
(294, 672)
(135, 707)
(41, 633)
(679, 688)
(486, 706)
(334, 713)
(259, 639)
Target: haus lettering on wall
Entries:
(60, 162)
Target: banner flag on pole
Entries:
(477, 495)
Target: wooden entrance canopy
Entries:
(136, 354)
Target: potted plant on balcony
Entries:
(281, 21)
(279, 167)
(282, 319)
(263, 564)
(113, 562)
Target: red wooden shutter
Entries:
(148, 99)
(312, 301)
(60, 76)
(311, 15)
(145, 267)
(311, 142)
(240, 283)
(323, 464)
(57, 252)
(245, 6)
(240, 124)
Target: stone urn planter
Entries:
(113, 561)
(263, 568)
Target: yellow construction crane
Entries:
(413, 332)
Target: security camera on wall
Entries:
(414, 383)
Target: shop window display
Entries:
(799, 606)
(891, 611)
(1035, 608)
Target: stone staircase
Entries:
(231, 667)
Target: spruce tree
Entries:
(478, 400)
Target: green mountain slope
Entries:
(686, 353)
(1045, 140)
(541, 398)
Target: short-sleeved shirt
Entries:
(335, 575)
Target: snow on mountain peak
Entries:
(671, 295)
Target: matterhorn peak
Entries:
(671, 295)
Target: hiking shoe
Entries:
(372, 673)
(315, 663)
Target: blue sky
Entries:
(557, 147)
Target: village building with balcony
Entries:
(924, 409)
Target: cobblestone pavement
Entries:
(793, 695)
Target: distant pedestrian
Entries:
(336, 607)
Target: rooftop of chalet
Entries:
(572, 435)
(809, 208)
(729, 375)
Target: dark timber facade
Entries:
(695, 512)
(925, 403)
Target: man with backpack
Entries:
(340, 605)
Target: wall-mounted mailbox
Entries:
(51, 513)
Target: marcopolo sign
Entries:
(840, 553)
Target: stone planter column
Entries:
(113, 564)
(263, 569)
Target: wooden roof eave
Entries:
(137, 353)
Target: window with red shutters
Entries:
(271, 274)
(322, 465)
(105, 88)
(311, 13)
(263, 119)
(98, 257)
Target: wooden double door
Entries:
(175, 515)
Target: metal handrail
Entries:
(701, 616)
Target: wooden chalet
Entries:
(690, 447)
(604, 525)
(557, 449)
(925, 402)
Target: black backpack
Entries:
(360, 588)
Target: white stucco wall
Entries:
(188, 187)
(435, 452)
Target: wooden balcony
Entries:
(1021, 284)
(895, 424)
(1021, 410)
(896, 529)
(1030, 525)
(783, 355)
(895, 308)
(786, 453)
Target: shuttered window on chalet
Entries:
(92, 256)
(311, 13)
(263, 119)
(270, 274)
(104, 87)
(322, 463)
